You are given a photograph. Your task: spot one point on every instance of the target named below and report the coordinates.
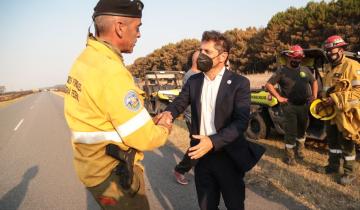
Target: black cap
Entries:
(125, 8)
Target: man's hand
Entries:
(282, 100)
(164, 119)
(167, 115)
(203, 147)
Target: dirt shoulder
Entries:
(4, 103)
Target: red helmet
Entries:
(295, 51)
(333, 42)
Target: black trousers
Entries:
(186, 163)
(216, 173)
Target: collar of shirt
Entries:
(218, 76)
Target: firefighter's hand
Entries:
(164, 119)
(203, 147)
(282, 100)
(157, 118)
(328, 102)
(167, 115)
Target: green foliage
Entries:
(254, 49)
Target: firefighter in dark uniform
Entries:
(298, 87)
(342, 134)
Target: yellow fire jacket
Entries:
(103, 105)
(345, 81)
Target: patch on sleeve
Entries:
(132, 101)
(302, 74)
(337, 75)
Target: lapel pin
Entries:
(228, 82)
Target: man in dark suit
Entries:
(220, 106)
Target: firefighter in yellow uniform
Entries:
(104, 110)
(341, 134)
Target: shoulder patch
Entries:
(302, 74)
(337, 75)
(132, 101)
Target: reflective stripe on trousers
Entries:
(290, 146)
(300, 139)
(349, 158)
(335, 151)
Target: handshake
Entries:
(164, 119)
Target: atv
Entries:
(161, 88)
(266, 112)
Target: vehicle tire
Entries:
(257, 128)
(149, 106)
(160, 106)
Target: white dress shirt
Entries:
(208, 101)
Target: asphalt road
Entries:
(36, 170)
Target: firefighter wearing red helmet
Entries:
(298, 87)
(341, 144)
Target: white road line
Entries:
(18, 125)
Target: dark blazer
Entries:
(231, 116)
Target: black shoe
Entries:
(290, 161)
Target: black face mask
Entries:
(295, 64)
(204, 63)
(333, 57)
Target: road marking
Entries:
(18, 125)
(32, 107)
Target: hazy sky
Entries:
(40, 39)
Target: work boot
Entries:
(334, 164)
(290, 157)
(348, 177)
(300, 148)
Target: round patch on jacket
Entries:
(302, 74)
(132, 101)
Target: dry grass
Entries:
(303, 183)
(258, 80)
(8, 102)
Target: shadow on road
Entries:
(159, 167)
(13, 198)
(91, 203)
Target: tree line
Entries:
(254, 49)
